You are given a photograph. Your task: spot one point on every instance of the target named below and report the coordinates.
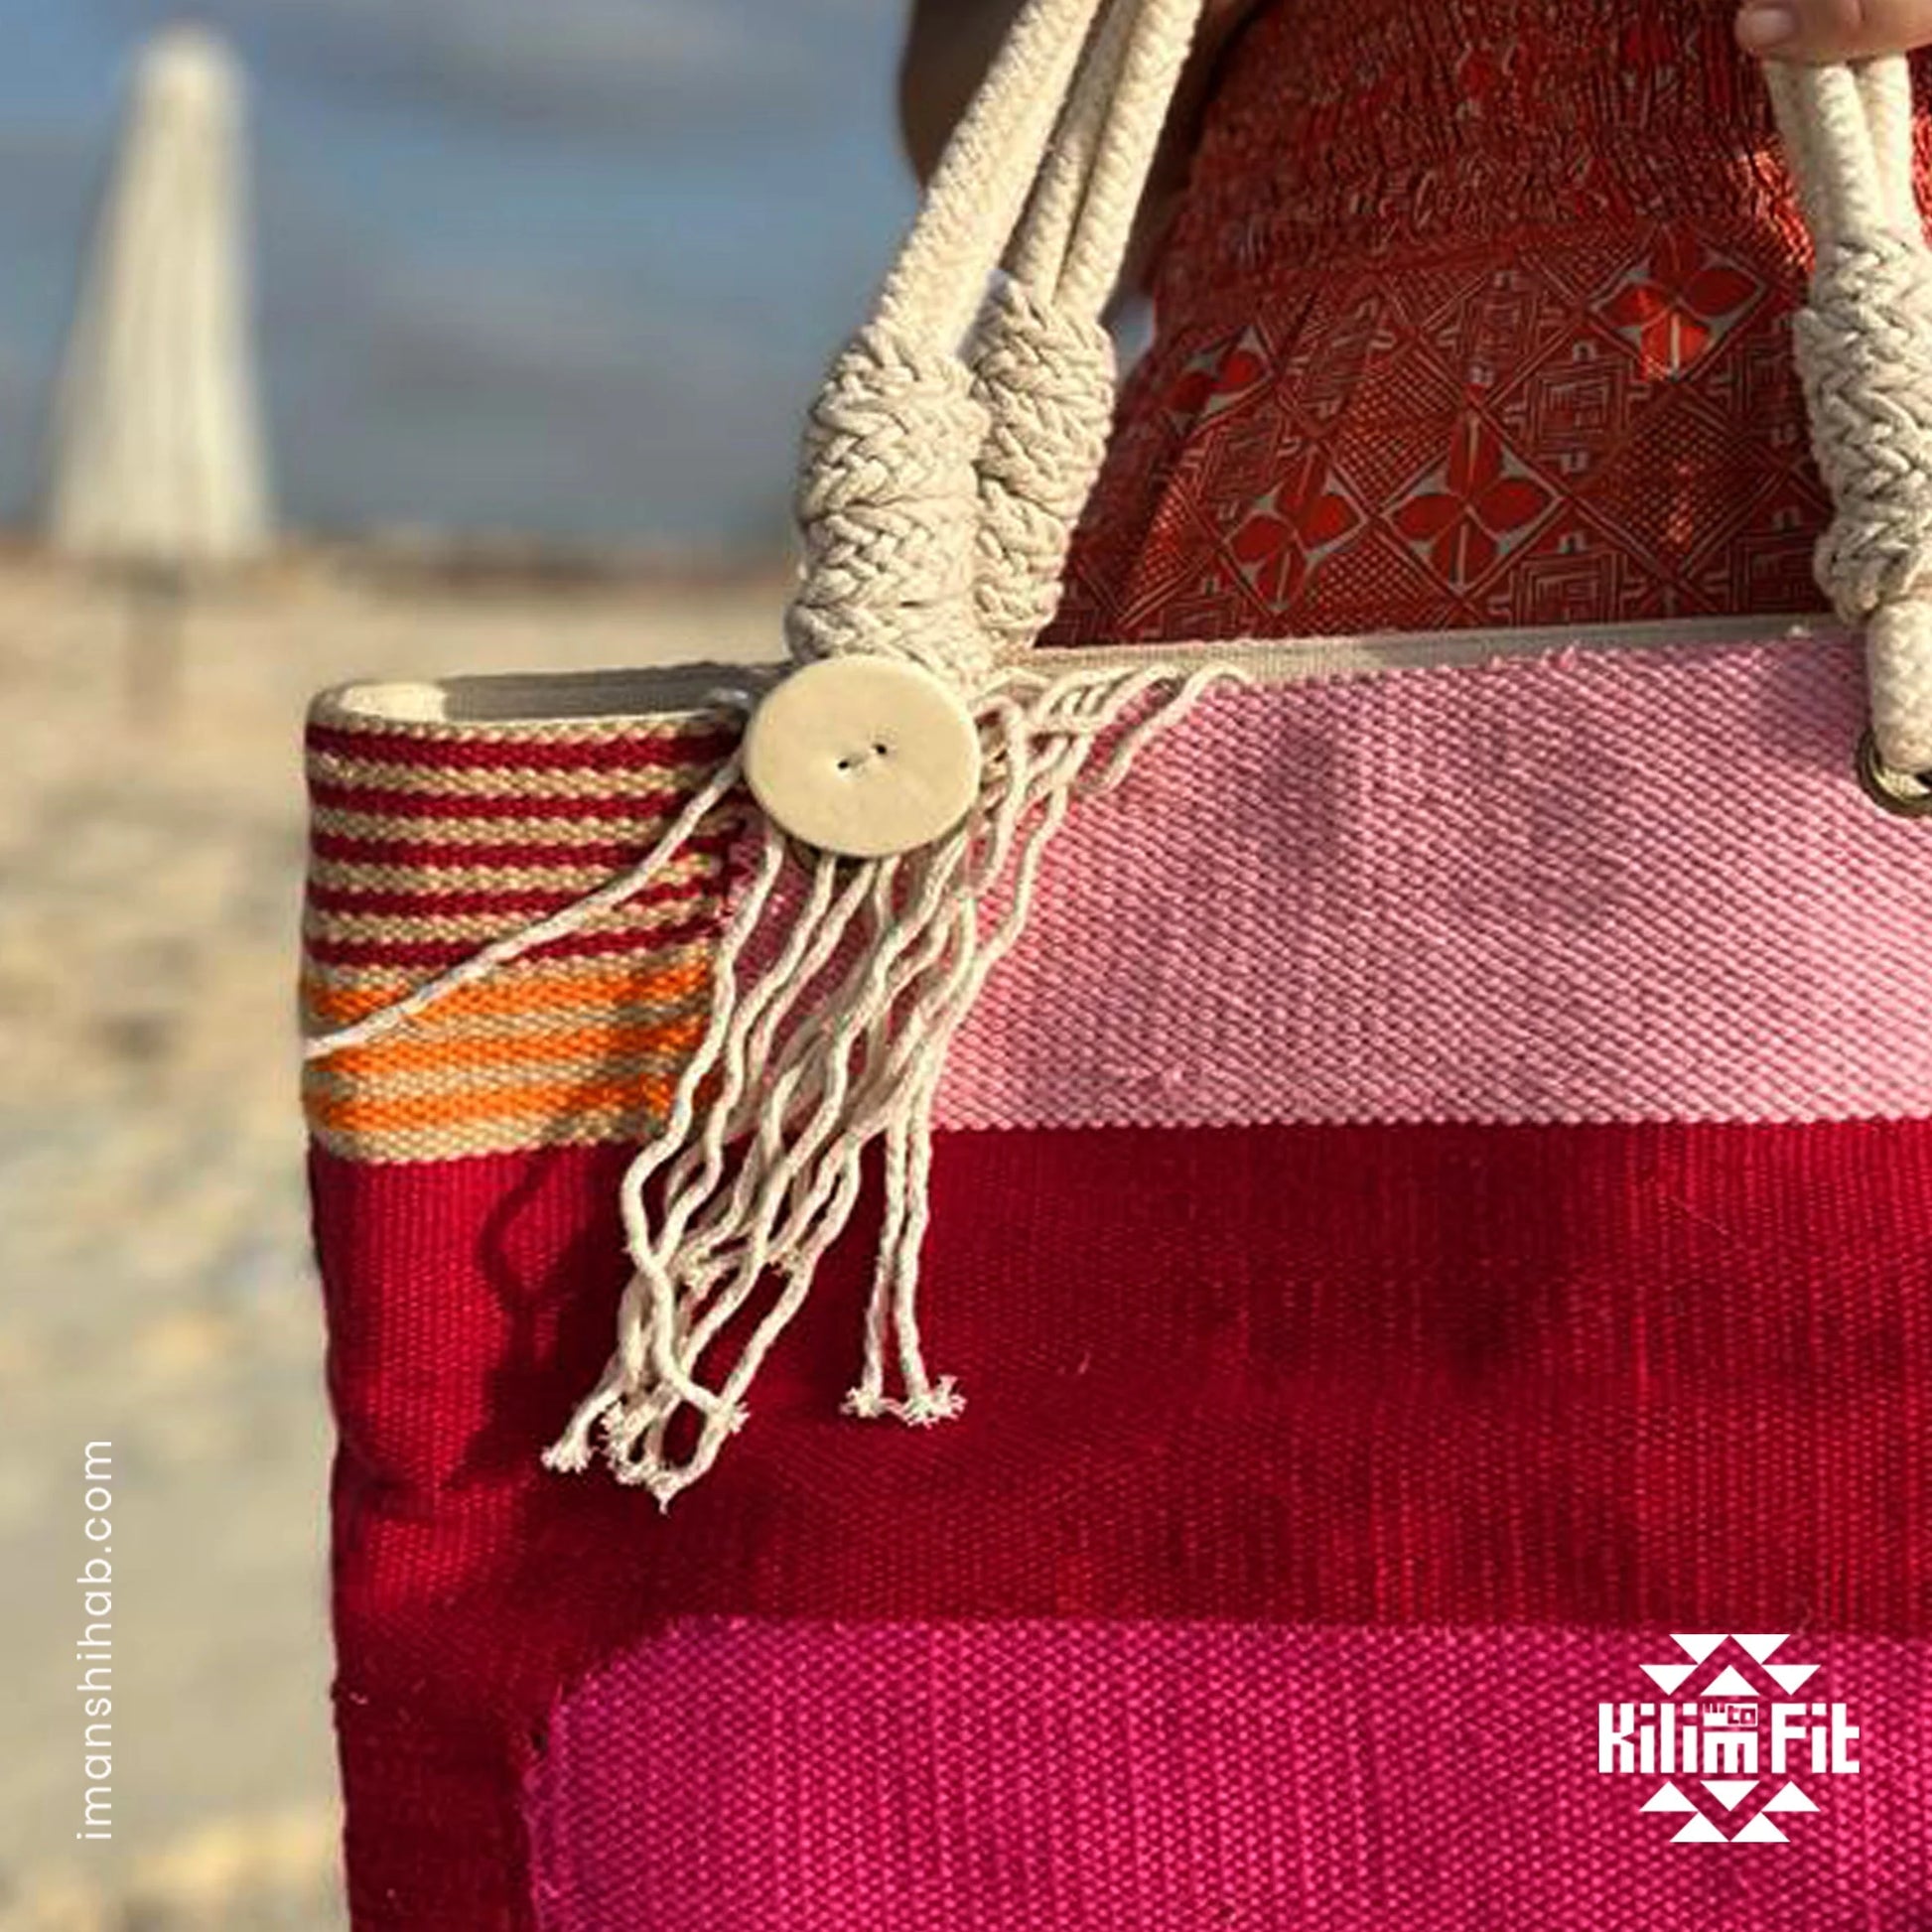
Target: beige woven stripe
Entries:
(565, 881)
(553, 982)
(473, 929)
(338, 710)
(553, 880)
(466, 783)
(640, 824)
(630, 720)
(551, 1058)
(580, 1127)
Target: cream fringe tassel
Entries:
(807, 1080)
(837, 1042)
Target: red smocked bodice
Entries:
(1472, 314)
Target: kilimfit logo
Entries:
(1728, 1753)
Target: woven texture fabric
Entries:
(426, 841)
(1440, 1201)
(1497, 1378)
(976, 1777)
(1472, 314)
(1488, 1288)
(1389, 899)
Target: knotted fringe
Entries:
(837, 1042)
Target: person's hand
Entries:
(1817, 31)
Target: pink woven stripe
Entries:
(1167, 1777)
(1536, 890)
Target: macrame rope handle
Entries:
(907, 450)
(1073, 240)
(1043, 360)
(1862, 345)
(1038, 249)
(946, 544)
(1000, 152)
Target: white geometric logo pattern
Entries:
(1719, 1745)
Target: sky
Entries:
(565, 267)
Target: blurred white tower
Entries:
(157, 456)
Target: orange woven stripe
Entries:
(341, 1006)
(404, 1055)
(536, 1101)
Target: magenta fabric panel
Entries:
(1532, 890)
(1172, 1777)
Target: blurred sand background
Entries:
(153, 1232)
(567, 272)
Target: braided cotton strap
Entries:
(1038, 249)
(1044, 373)
(1043, 360)
(1862, 345)
(935, 501)
(888, 495)
(1045, 379)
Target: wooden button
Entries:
(864, 756)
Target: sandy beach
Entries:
(153, 1236)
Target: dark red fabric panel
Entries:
(1653, 1374)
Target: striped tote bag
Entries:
(1265, 1286)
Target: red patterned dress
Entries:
(1476, 311)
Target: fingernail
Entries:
(1762, 25)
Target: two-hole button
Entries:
(864, 756)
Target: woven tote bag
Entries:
(1238, 1285)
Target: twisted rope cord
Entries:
(808, 1077)
(1038, 249)
(935, 530)
(887, 509)
(992, 160)
(1047, 380)
(906, 456)
(1042, 363)
(1044, 373)
(1862, 347)
(1124, 158)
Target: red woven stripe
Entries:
(577, 945)
(1423, 1373)
(661, 803)
(1463, 1375)
(437, 854)
(353, 901)
(694, 747)
(1669, 1374)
